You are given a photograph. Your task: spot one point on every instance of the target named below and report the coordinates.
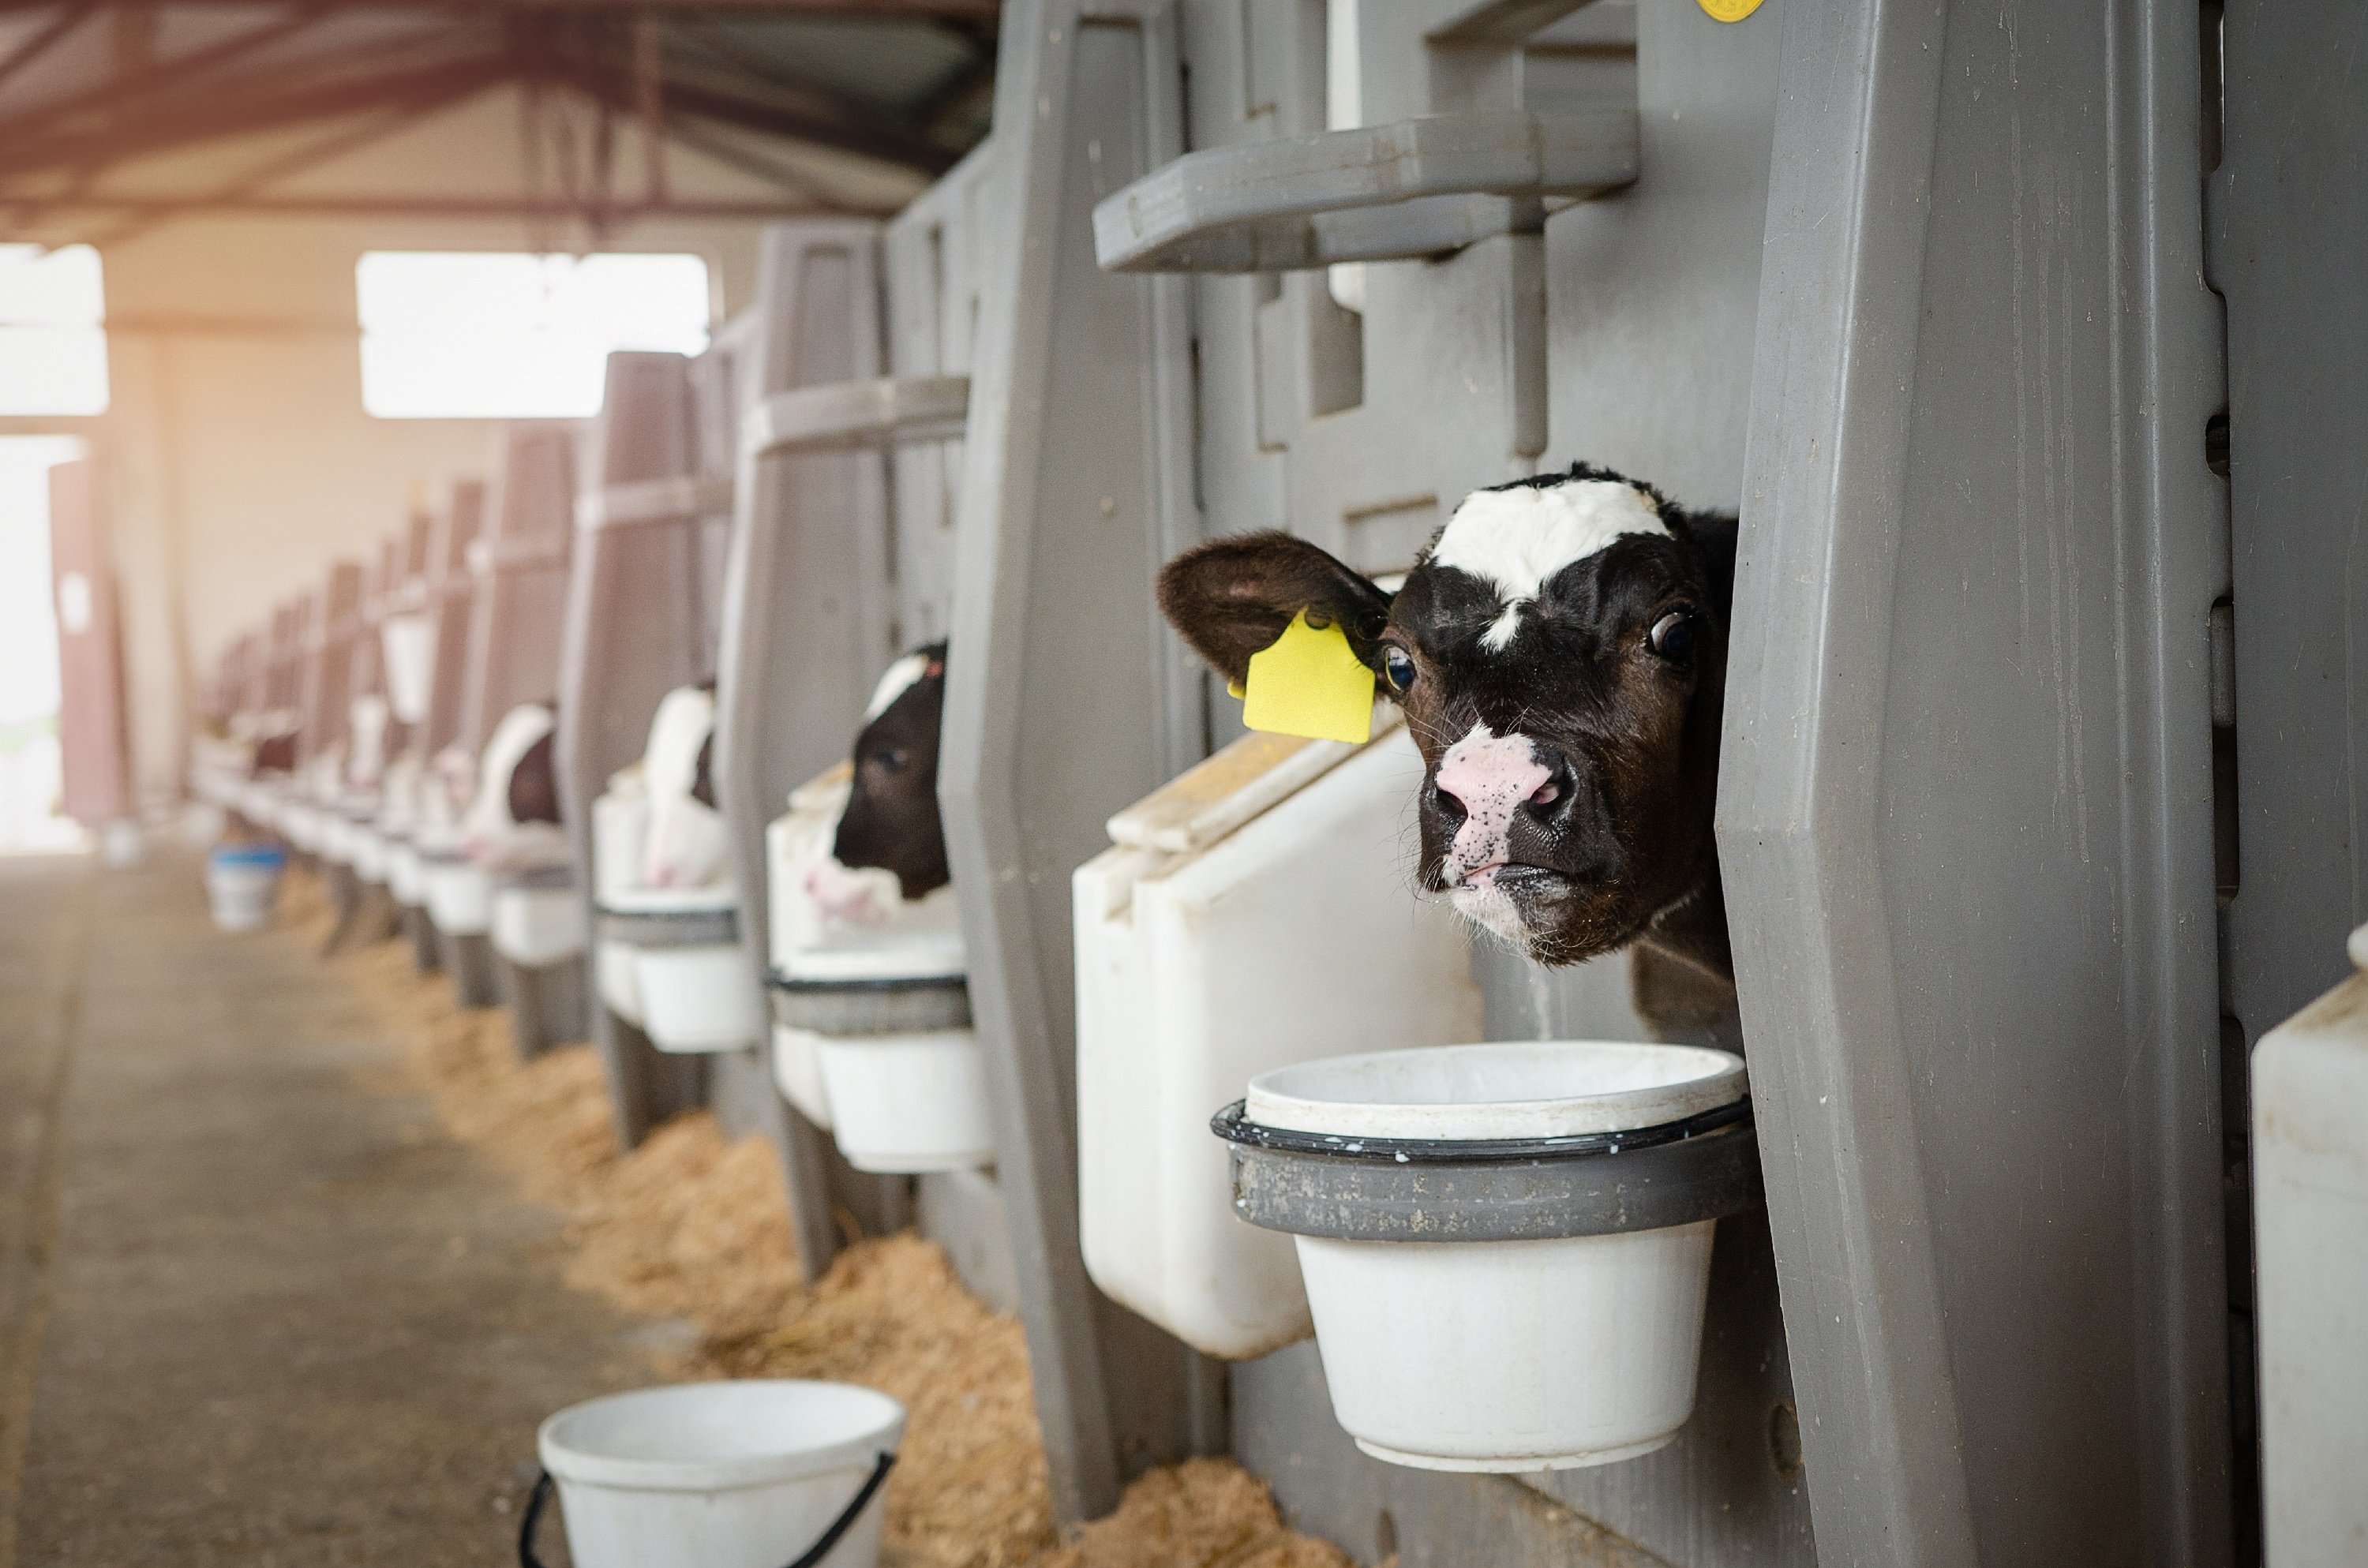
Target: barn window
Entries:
(484, 334)
(52, 344)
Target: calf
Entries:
(890, 843)
(687, 841)
(513, 822)
(1560, 652)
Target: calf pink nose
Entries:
(1491, 777)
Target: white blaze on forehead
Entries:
(1515, 540)
(902, 677)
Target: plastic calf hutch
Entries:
(642, 606)
(862, 334)
(538, 926)
(459, 910)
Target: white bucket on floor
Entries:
(459, 897)
(698, 998)
(908, 1104)
(1517, 1355)
(746, 1474)
(243, 883)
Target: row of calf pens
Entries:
(2016, 358)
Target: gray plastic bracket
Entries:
(1379, 192)
(645, 502)
(853, 416)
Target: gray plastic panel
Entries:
(1416, 188)
(451, 590)
(805, 628)
(328, 659)
(933, 252)
(2285, 246)
(1965, 810)
(521, 574)
(632, 633)
(1066, 700)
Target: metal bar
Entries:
(32, 48)
(978, 11)
(163, 76)
(491, 206)
(380, 125)
(232, 112)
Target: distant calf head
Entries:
(891, 824)
(1560, 653)
(515, 811)
(687, 841)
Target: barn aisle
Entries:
(256, 1307)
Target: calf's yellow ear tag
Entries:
(1309, 682)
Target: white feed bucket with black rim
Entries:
(1506, 1246)
(741, 1474)
(243, 883)
(870, 1010)
(889, 1024)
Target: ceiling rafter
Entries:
(976, 11)
(673, 68)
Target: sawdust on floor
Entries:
(695, 1227)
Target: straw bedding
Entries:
(693, 1227)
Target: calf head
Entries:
(514, 814)
(1560, 653)
(891, 824)
(687, 840)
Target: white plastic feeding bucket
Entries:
(533, 926)
(410, 644)
(870, 1015)
(1257, 910)
(2310, 1217)
(697, 998)
(1467, 1322)
(243, 883)
(459, 896)
(746, 1474)
(901, 1068)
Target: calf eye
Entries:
(1398, 667)
(1672, 637)
(890, 760)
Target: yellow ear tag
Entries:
(1310, 684)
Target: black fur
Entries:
(1620, 852)
(891, 819)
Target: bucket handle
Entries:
(809, 1558)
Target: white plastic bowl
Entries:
(797, 1070)
(743, 1475)
(535, 926)
(908, 1104)
(1507, 1355)
(698, 999)
(459, 897)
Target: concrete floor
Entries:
(254, 1307)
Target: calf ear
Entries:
(1233, 598)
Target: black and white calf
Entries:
(512, 823)
(889, 847)
(1560, 652)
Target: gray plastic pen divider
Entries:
(1417, 187)
(852, 416)
(806, 629)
